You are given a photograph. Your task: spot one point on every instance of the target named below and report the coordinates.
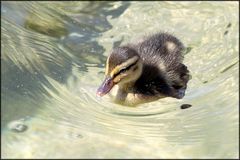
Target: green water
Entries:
(52, 61)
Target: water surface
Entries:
(53, 59)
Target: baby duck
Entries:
(146, 71)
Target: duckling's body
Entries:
(146, 71)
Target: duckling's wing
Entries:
(164, 73)
(154, 82)
(178, 79)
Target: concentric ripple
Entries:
(53, 59)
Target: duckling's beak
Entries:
(105, 87)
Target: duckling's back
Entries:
(161, 48)
(163, 70)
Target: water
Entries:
(53, 59)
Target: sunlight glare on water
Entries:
(53, 60)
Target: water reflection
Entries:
(53, 57)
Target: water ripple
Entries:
(53, 57)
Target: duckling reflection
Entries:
(146, 71)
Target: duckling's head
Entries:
(123, 68)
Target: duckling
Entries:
(146, 71)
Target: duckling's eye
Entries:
(123, 70)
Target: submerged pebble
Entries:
(185, 106)
(73, 135)
(78, 136)
(229, 25)
(17, 126)
(226, 32)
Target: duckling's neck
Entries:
(127, 87)
(123, 91)
(127, 95)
